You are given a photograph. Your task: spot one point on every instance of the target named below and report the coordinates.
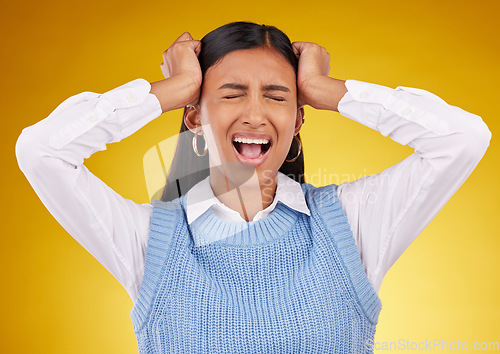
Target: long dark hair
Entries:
(187, 169)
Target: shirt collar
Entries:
(201, 197)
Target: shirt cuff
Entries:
(363, 101)
(375, 106)
(130, 105)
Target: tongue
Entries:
(250, 151)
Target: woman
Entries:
(241, 255)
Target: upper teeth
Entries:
(251, 141)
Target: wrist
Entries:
(174, 92)
(327, 93)
(161, 90)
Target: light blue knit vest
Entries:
(289, 283)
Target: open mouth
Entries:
(251, 150)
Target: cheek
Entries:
(285, 126)
(285, 121)
(217, 119)
(216, 126)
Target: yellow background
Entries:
(56, 298)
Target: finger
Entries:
(300, 101)
(297, 48)
(193, 45)
(197, 47)
(186, 36)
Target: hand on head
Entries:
(180, 63)
(314, 66)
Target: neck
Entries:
(247, 197)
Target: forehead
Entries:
(246, 65)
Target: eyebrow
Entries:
(245, 87)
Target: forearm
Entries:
(51, 155)
(85, 123)
(174, 93)
(326, 93)
(388, 210)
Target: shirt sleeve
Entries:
(387, 211)
(51, 154)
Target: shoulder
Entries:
(320, 196)
(171, 211)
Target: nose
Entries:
(254, 114)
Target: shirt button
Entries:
(92, 119)
(363, 94)
(407, 112)
(132, 98)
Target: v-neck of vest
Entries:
(211, 229)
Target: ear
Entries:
(192, 118)
(299, 119)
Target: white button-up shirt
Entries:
(201, 197)
(386, 211)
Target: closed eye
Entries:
(279, 99)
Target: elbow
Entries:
(485, 133)
(26, 150)
(481, 137)
(477, 138)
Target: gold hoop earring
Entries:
(195, 147)
(300, 148)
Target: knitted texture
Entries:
(289, 283)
